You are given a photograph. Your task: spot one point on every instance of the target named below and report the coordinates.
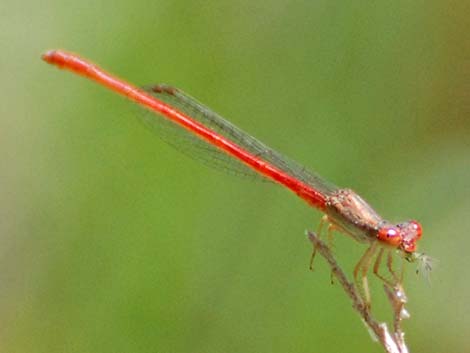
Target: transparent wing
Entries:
(200, 150)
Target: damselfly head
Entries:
(410, 232)
(403, 236)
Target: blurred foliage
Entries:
(113, 242)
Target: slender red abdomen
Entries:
(82, 67)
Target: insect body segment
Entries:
(221, 143)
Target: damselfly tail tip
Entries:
(59, 58)
(48, 55)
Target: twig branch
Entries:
(392, 342)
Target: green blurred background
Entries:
(111, 241)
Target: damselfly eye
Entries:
(389, 235)
(417, 228)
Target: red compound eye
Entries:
(389, 235)
(417, 227)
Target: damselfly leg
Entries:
(331, 227)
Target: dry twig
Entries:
(392, 342)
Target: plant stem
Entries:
(392, 342)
